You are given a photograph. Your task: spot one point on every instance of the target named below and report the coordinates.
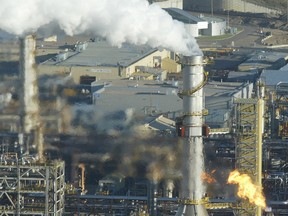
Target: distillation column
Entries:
(192, 188)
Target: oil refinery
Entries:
(252, 141)
(93, 125)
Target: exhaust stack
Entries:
(28, 78)
(193, 189)
(29, 114)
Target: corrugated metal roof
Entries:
(212, 19)
(183, 16)
(161, 123)
(263, 59)
(100, 53)
(273, 77)
(242, 76)
(141, 95)
(284, 68)
(221, 89)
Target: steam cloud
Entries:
(119, 21)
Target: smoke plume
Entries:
(133, 21)
(5, 98)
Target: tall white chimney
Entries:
(29, 111)
(192, 188)
(29, 90)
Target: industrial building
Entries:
(232, 113)
(226, 5)
(219, 98)
(264, 60)
(242, 76)
(242, 96)
(154, 98)
(102, 130)
(273, 77)
(161, 123)
(103, 61)
(199, 25)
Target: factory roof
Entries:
(100, 53)
(161, 123)
(273, 77)
(148, 97)
(211, 19)
(264, 60)
(153, 97)
(218, 100)
(240, 76)
(285, 67)
(223, 89)
(183, 16)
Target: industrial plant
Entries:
(95, 125)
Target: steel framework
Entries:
(28, 187)
(248, 151)
(278, 104)
(78, 204)
(276, 170)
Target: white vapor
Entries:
(119, 21)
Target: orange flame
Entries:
(246, 189)
(208, 177)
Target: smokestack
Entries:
(29, 113)
(29, 91)
(192, 188)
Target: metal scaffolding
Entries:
(77, 204)
(278, 110)
(28, 187)
(248, 151)
(276, 170)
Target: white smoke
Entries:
(87, 117)
(5, 99)
(119, 21)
